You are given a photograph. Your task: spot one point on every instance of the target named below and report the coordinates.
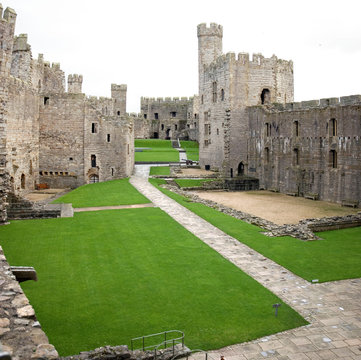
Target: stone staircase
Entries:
(20, 208)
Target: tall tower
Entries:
(7, 29)
(119, 93)
(75, 82)
(209, 44)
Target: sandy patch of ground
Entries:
(278, 208)
(39, 195)
(196, 172)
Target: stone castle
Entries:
(250, 126)
(244, 119)
(49, 135)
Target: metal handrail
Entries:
(155, 346)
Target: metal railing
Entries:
(167, 340)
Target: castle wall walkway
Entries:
(333, 309)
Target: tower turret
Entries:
(119, 93)
(75, 82)
(209, 44)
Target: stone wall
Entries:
(314, 149)
(168, 118)
(21, 334)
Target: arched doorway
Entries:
(241, 168)
(22, 181)
(93, 179)
(265, 96)
(168, 134)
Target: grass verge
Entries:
(159, 151)
(107, 193)
(191, 148)
(336, 257)
(105, 277)
(159, 170)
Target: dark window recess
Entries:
(266, 155)
(265, 96)
(173, 114)
(112, 172)
(93, 159)
(70, 159)
(145, 116)
(333, 127)
(162, 127)
(156, 117)
(175, 127)
(214, 91)
(296, 128)
(118, 113)
(222, 95)
(46, 100)
(333, 159)
(94, 128)
(108, 137)
(296, 155)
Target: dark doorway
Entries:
(231, 172)
(241, 168)
(265, 96)
(168, 134)
(156, 135)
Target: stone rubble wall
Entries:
(20, 333)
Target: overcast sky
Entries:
(151, 45)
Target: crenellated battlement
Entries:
(115, 87)
(160, 100)
(8, 16)
(213, 30)
(75, 82)
(243, 59)
(21, 43)
(320, 103)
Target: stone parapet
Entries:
(21, 334)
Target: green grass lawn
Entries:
(159, 170)
(191, 148)
(191, 182)
(160, 151)
(114, 192)
(335, 257)
(108, 276)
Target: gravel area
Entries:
(278, 208)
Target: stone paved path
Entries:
(333, 309)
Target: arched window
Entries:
(296, 156)
(93, 179)
(222, 95)
(265, 96)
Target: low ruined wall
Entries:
(20, 332)
(333, 223)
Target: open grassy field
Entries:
(114, 192)
(335, 257)
(159, 151)
(159, 170)
(108, 276)
(191, 148)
